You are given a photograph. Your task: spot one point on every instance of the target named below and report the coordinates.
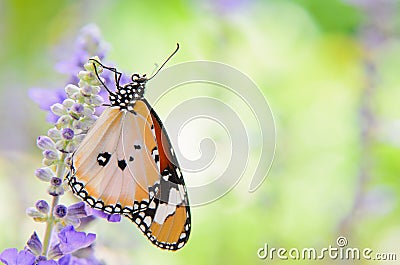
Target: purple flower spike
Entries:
(11, 256)
(71, 240)
(34, 244)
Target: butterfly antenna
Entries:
(169, 57)
(98, 76)
(155, 68)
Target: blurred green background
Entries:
(329, 70)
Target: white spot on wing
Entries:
(174, 197)
(147, 221)
(163, 211)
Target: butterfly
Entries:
(126, 165)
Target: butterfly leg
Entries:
(117, 75)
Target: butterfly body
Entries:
(126, 165)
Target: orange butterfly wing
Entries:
(126, 165)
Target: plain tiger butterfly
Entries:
(126, 165)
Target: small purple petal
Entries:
(112, 218)
(65, 260)
(71, 240)
(78, 210)
(34, 244)
(25, 257)
(9, 256)
(67, 133)
(60, 211)
(55, 252)
(50, 154)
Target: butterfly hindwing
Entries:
(170, 222)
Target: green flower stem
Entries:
(49, 226)
(51, 220)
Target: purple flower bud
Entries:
(70, 148)
(68, 103)
(45, 143)
(60, 145)
(47, 162)
(42, 206)
(67, 133)
(54, 134)
(86, 90)
(50, 154)
(60, 211)
(85, 123)
(86, 77)
(58, 109)
(96, 89)
(35, 214)
(71, 89)
(34, 244)
(63, 121)
(97, 100)
(56, 181)
(44, 173)
(55, 191)
(77, 108)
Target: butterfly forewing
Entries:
(126, 165)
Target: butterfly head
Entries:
(126, 96)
